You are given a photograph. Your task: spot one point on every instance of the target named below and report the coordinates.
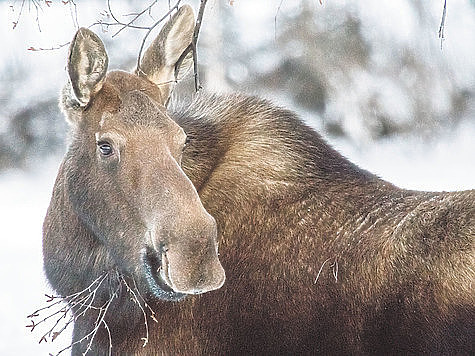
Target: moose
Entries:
(240, 228)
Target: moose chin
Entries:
(226, 226)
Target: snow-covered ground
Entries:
(24, 198)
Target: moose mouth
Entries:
(158, 286)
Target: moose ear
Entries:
(160, 59)
(87, 65)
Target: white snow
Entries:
(23, 204)
(445, 164)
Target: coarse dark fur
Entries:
(396, 265)
(321, 257)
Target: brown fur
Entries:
(320, 256)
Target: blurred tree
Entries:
(359, 70)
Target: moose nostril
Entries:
(164, 271)
(157, 267)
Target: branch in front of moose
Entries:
(192, 47)
(147, 11)
(136, 300)
(151, 28)
(61, 312)
(194, 42)
(333, 266)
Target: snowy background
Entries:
(369, 75)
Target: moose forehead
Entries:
(128, 100)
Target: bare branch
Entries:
(15, 23)
(194, 42)
(71, 308)
(147, 9)
(150, 29)
(136, 300)
(74, 12)
(53, 48)
(275, 19)
(320, 270)
(442, 24)
(116, 21)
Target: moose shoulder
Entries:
(316, 256)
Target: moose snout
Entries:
(189, 262)
(195, 275)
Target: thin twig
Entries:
(334, 267)
(320, 271)
(151, 28)
(15, 23)
(37, 8)
(120, 23)
(275, 19)
(76, 304)
(194, 42)
(110, 24)
(111, 13)
(100, 320)
(74, 13)
(148, 8)
(442, 24)
(137, 301)
(70, 297)
(53, 48)
(110, 337)
(152, 313)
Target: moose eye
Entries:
(105, 148)
(187, 141)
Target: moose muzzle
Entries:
(185, 261)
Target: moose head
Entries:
(122, 174)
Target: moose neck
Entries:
(245, 151)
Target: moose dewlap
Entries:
(230, 227)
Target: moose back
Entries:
(240, 228)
